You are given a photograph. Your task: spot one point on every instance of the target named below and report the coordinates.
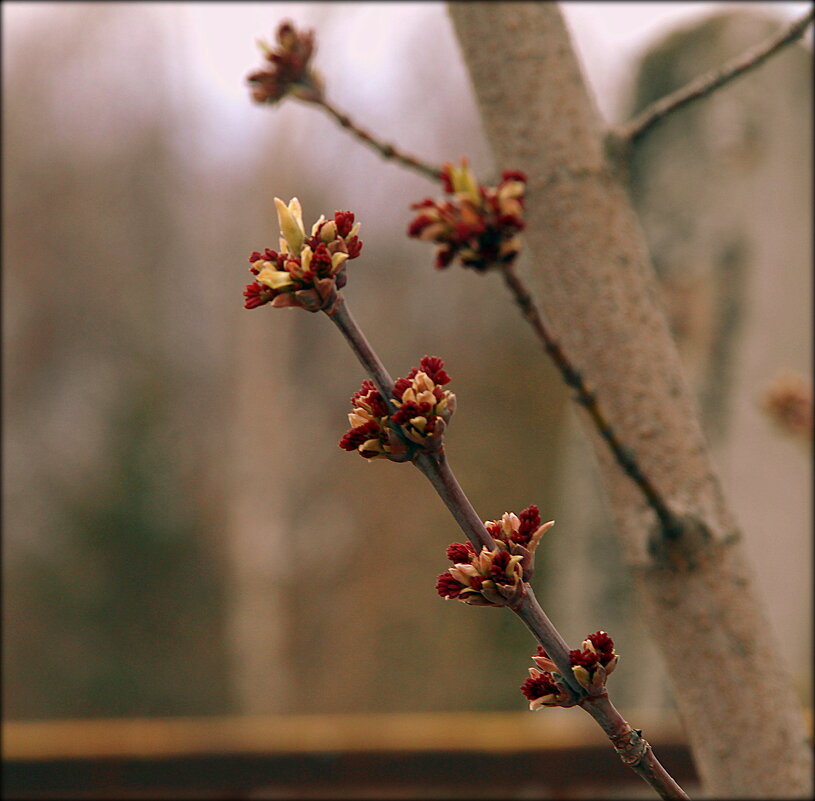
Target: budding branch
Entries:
(632, 748)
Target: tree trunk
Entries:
(595, 283)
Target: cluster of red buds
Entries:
(591, 666)
(495, 577)
(288, 71)
(414, 422)
(595, 662)
(308, 271)
(788, 400)
(480, 225)
(545, 687)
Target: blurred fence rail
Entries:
(423, 755)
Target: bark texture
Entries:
(593, 278)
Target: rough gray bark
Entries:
(593, 278)
(723, 190)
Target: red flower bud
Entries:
(530, 522)
(603, 643)
(479, 225)
(256, 295)
(540, 685)
(595, 663)
(345, 222)
(460, 552)
(434, 367)
(448, 587)
(422, 410)
(310, 269)
(352, 439)
(287, 70)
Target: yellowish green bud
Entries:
(291, 224)
(273, 278)
(337, 260)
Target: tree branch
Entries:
(386, 150)
(632, 748)
(625, 456)
(704, 85)
(341, 316)
(597, 288)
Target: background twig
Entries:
(386, 150)
(702, 86)
(573, 378)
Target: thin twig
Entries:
(435, 469)
(625, 456)
(537, 621)
(439, 474)
(633, 749)
(634, 129)
(341, 316)
(386, 150)
(629, 744)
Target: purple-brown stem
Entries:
(537, 621)
(632, 748)
(341, 316)
(386, 150)
(435, 467)
(573, 378)
(438, 472)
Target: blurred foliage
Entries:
(152, 568)
(130, 602)
(114, 600)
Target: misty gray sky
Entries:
(215, 42)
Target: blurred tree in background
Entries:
(114, 596)
(724, 193)
(174, 491)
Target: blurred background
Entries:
(182, 535)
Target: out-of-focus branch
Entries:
(625, 456)
(288, 73)
(704, 85)
(386, 150)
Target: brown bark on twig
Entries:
(599, 294)
(705, 84)
(632, 748)
(387, 151)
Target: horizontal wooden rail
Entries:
(455, 731)
(491, 755)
